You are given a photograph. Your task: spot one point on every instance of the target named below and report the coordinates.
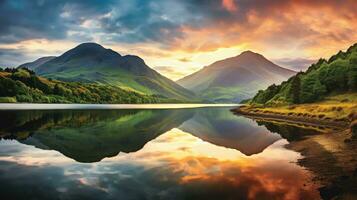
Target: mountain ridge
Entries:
(34, 64)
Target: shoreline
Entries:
(41, 106)
(308, 118)
(331, 123)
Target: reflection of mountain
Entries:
(89, 136)
(288, 132)
(221, 127)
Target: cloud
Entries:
(229, 5)
(297, 64)
(10, 57)
(21, 20)
(171, 72)
(177, 29)
(170, 22)
(184, 59)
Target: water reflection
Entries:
(175, 165)
(220, 127)
(205, 153)
(89, 136)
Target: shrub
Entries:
(7, 100)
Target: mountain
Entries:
(33, 65)
(90, 62)
(337, 75)
(236, 78)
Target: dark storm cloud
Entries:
(124, 21)
(137, 20)
(21, 20)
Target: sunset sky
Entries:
(178, 37)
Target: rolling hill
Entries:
(236, 78)
(90, 62)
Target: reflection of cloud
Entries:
(176, 165)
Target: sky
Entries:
(178, 37)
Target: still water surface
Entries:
(182, 153)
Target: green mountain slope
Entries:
(33, 65)
(90, 62)
(236, 78)
(326, 77)
(22, 85)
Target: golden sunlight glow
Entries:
(42, 45)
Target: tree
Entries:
(58, 90)
(295, 89)
(352, 76)
(319, 90)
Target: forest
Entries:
(336, 75)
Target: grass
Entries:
(8, 100)
(337, 107)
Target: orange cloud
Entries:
(288, 29)
(229, 5)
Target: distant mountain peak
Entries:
(90, 45)
(250, 55)
(92, 48)
(247, 52)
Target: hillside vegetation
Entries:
(23, 85)
(337, 75)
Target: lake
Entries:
(170, 152)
